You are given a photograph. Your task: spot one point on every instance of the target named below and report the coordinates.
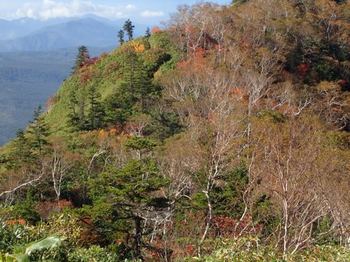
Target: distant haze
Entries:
(35, 35)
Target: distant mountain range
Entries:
(35, 35)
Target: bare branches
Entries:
(289, 171)
(59, 168)
(25, 184)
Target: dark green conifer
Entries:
(82, 57)
(96, 112)
(129, 29)
(38, 132)
(121, 35)
(130, 193)
(148, 32)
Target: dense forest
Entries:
(222, 137)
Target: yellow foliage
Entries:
(327, 86)
(139, 48)
(102, 134)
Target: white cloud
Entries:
(148, 13)
(52, 9)
(130, 7)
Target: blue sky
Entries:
(140, 10)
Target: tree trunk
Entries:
(138, 237)
(208, 220)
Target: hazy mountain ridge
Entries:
(59, 33)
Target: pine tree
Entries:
(148, 32)
(82, 57)
(21, 154)
(129, 29)
(81, 113)
(38, 132)
(137, 82)
(121, 35)
(131, 194)
(96, 112)
(73, 115)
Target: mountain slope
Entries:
(107, 75)
(223, 138)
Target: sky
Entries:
(139, 10)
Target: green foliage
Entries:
(228, 194)
(21, 153)
(131, 185)
(38, 132)
(162, 41)
(39, 250)
(47, 243)
(124, 194)
(164, 124)
(76, 116)
(26, 210)
(272, 115)
(95, 116)
(11, 236)
(136, 92)
(243, 249)
(92, 254)
(265, 215)
(140, 143)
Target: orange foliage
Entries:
(47, 207)
(238, 93)
(156, 30)
(19, 221)
(196, 62)
(106, 133)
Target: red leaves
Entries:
(91, 61)
(345, 85)
(303, 69)
(196, 62)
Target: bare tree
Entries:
(287, 165)
(59, 168)
(212, 114)
(22, 179)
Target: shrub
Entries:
(92, 254)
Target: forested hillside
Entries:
(223, 137)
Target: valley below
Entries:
(27, 80)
